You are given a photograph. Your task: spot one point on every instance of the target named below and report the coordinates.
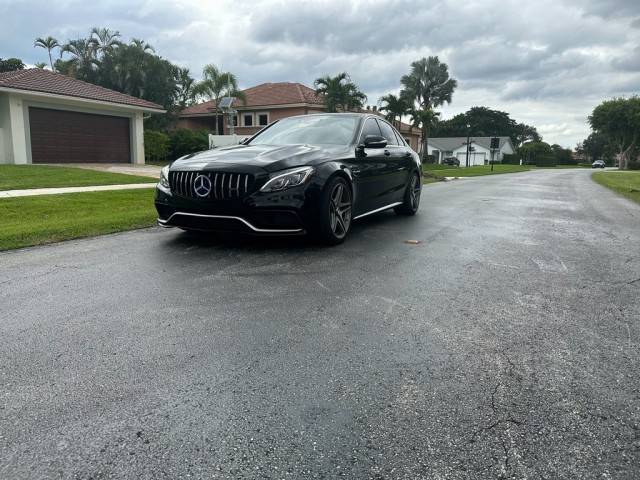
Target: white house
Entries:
(480, 152)
(46, 117)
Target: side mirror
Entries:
(243, 141)
(374, 141)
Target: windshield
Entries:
(311, 130)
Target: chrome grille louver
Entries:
(224, 185)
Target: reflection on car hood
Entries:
(270, 158)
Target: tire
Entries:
(336, 206)
(411, 197)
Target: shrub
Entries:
(156, 146)
(510, 159)
(184, 141)
(545, 161)
(633, 165)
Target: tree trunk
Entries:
(425, 145)
(215, 121)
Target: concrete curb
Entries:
(32, 192)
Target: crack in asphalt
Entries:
(503, 421)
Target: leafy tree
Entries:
(41, 65)
(596, 146)
(536, 153)
(395, 107)
(561, 155)
(485, 122)
(340, 93)
(619, 121)
(426, 87)
(215, 85)
(49, 43)
(11, 64)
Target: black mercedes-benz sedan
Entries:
(306, 174)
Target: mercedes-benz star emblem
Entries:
(202, 186)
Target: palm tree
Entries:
(215, 85)
(428, 86)
(186, 84)
(339, 93)
(425, 120)
(142, 45)
(395, 107)
(49, 44)
(106, 39)
(41, 65)
(84, 52)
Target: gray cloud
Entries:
(538, 60)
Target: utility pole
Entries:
(468, 129)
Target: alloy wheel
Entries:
(340, 210)
(414, 192)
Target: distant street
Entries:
(504, 345)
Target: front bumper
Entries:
(289, 212)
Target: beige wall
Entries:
(6, 146)
(206, 122)
(15, 136)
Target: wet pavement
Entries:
(503, 344)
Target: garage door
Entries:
(59, 136)
(475, 158)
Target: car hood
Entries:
(269, 158)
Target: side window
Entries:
(370, 128)
(387, 132)
(399, 138)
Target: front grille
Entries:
(224, 185)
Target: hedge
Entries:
(184, 141)
(156, 146)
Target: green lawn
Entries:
(51, 218)
(625, 183)
(447, 171)
(17, 177)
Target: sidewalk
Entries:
(55, 191)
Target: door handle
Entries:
(387, 153)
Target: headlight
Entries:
(164, 177)
(292, 178)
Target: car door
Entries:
(398, 159)
(369, 168)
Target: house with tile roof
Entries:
(480, 152)
(264, 104)
(46, 117)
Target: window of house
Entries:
(263, 119)
(247, 119)
(235, 120)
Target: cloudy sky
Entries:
(547, 63)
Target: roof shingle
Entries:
(45, 81)
(266, 94)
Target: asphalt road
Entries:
(504, 345)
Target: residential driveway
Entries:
(505, 345)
